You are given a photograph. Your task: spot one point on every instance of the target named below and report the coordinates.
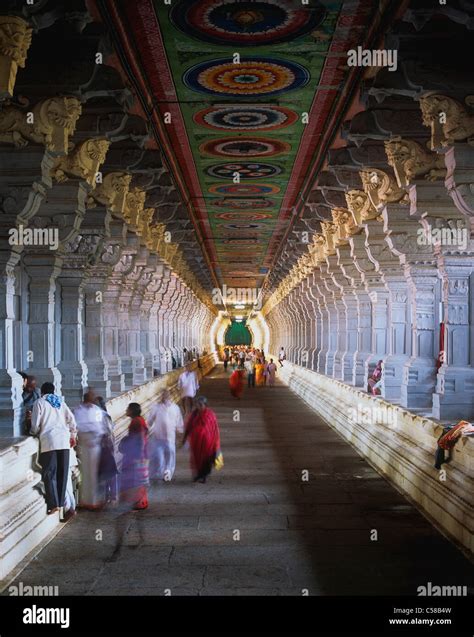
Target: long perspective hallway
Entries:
(295, 511)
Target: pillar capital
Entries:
(15, 40)
(51, 122)
(410, 160)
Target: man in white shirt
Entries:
(164, 421)
(53, 422)
(250, 369)
(188, 386)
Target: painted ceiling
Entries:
(245, 89)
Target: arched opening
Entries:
(238, 334)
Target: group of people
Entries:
(148, 450)
(250, 362)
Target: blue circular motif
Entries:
(251, 77)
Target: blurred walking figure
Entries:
(281, 356)
(91, 429)
(259, 368)
(226, 358)
(164, 421)
(188, 385)
(54, 423)
(134, 477)
(250, 369)
(271, 371)
(107, 466)
(202, 431)
(70, 498)
(236, 383)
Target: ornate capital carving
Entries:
(381, 188)
(360, 206)
(410, 160)
(134, 206)
(15, 40)
(112, 192)
(83, 162)
(448, 119)
(51, 123)
(345, 221)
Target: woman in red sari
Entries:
(134, 474)
(202, 431)
(236, 383)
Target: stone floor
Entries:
(257, 527)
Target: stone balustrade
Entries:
(400, 445)
(24, 525)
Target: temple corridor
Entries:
(218, 192)
(294, 535)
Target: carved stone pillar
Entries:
(423, 287)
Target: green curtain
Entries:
(238, 334)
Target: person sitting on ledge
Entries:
(375, 381)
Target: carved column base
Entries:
(74, 381)
(393, 376)
(419, 378)
(348, 368)
(454, 395)
(360, 369)
(11, 404)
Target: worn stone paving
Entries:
(257, 528)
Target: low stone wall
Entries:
(24, 525)
(400, 445)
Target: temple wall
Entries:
(24, 525)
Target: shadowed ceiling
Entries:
(242, 93)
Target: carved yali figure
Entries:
(381, 188)
(360, 206)
(83, 162)
(448, 119)
(15, 40)
(51, 123)
(410, 160)
(112, 192)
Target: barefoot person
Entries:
(202, 432)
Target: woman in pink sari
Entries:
(202, 431)
(134, 475)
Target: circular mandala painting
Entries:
(246, 170)
(246, 22)
(243, 204)
(244, 190)
(243, 215)
(253, 76)
(246, 118)
(245, 147)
